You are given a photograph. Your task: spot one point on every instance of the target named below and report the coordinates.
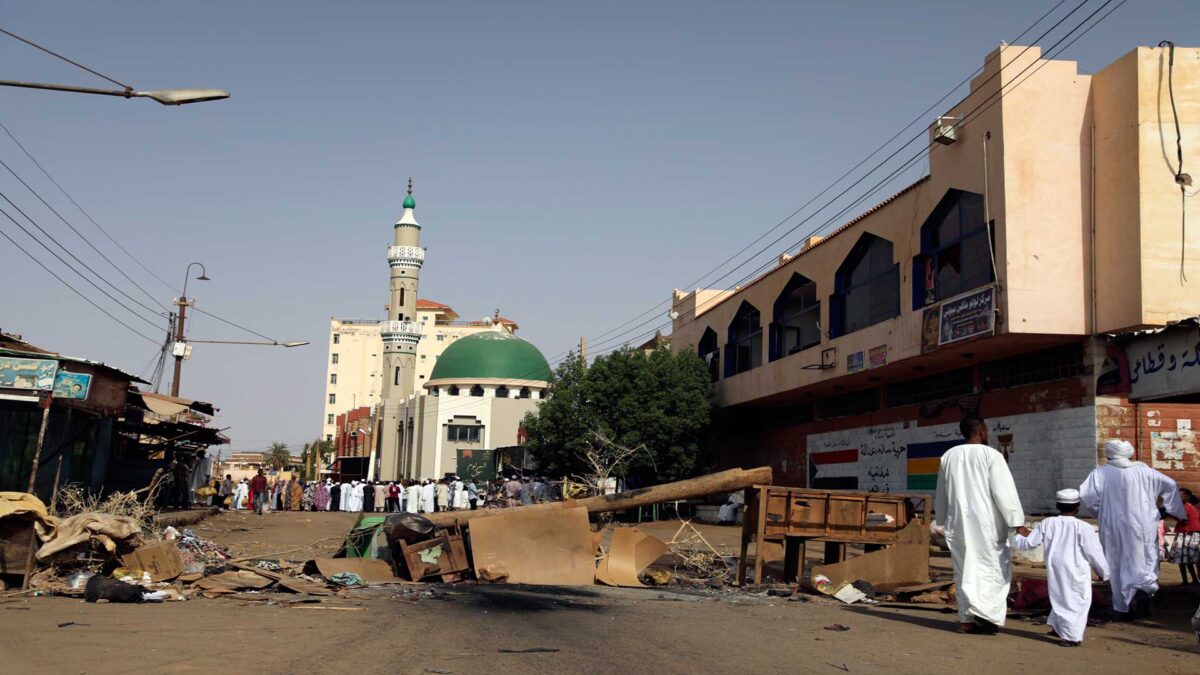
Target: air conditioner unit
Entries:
(945, 130)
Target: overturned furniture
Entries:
(782, 520)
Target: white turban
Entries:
(1068, 496)
(1117, 449)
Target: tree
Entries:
(660, 401)
(278, 456)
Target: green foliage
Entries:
(278, 456)
(658, 400)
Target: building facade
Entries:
(1050, 218)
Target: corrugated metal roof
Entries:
(73, 359)
(1190, 322)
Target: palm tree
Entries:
(277, 457)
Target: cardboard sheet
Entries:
(552, 547)
(161, 560)
(905, 563)
(234, 580)
(631, 552)
(371, 571)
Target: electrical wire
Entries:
(228, 322)
(1181, 178)
(68, 285)
(90, 244)
(56, 55)
(64, 262)
(87, 215)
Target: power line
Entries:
(67, 195)
(90, 244)
(73, 289)
(60, 258)
(56, 55)
(227, 321)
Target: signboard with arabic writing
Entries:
(72, 385)
(968, 315)
(33, 374)
(1164, 364)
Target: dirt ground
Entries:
(464, 628)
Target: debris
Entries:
(344, 609)
(161, 561)
(841, 667)
(100, 587)
(837, 627)
(530, 650)
(631, 552)
(304, 586)
(494, 573)
(902, 564)
(552, 547)
(105, 529)
(72, 623)
(848, 594)
(234, 581)
(371, 571)
(347, 579)
(781, 592)
(700, 560)
(658, 577)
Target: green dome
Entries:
(490, 355)
(410, 203)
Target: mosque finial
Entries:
(410, 185)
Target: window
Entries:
(525, 393)
(332, 399)
(956, 253)
(797, 324)
(396, 376)
(502, 392)
(453, 390)
(854, 403)
(710, 353)
(329, 437)
(333, 378)
(744, 349)
(401, 297)
(422, 357)
(930, 388)
(441, 337)
(462, 433)
(337, 338)
(329, 419)
(334, 360)
(1049, 364)
(477, 390)
(866, 287)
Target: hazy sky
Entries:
(573, 161)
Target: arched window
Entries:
(797, 315)
(710, 352)
(956, 253)
(402, 296)
(525, 393)
(866, 287)
(743, 351)
(502, 392)
(477, 390)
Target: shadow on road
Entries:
(944, 622)
(521, 598)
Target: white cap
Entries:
(1068, 496)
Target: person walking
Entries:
(226, 492)
(975, 506)
(472, 493)
(1123, 497)
(259, 492)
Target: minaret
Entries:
(401, 332)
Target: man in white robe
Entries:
(458, 494)
(1123, 496)
(412, 498)
(240, 493)
(1071, 551)
(354, 498)
(427, 492)
(975, 507)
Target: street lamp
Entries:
(163, 96)
(179, 349)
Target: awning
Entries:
(169, 406)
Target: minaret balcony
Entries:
(400, 332)
(411, 257)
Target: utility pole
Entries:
(583, 349)
(178, 349)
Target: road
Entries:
(460, 629)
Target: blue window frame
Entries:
(866, 287)
(797, 314)
(710, 353)
(956, 250)
(743, 351)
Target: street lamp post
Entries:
(179, 349)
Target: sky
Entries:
(573, 162)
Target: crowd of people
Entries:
(977, 506)
(451, 493)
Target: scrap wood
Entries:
(304, 586)
(552, 547)
(701, 565)
(291, 550)
(344, 609)
(234, 580)
(630, 552)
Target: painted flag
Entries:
(924, 460)
(833, 469)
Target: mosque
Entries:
(448, 391)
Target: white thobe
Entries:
(976, 504)
(458, 495)
(354, 496)
(239, 496)
(344, 496)
(1124, 502)
(1072, 551)
(412, 499)
(427, 492)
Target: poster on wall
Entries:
(877, 356)
(34, 374)
(966, 316)
(73, 386)
(854, 362)
(931, 323)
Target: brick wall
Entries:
(1167, 440)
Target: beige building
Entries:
(1051, 215)
(355, 361)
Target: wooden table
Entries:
(789, 517)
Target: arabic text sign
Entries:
(35, 374)
(967, 316)
(1165, 364)
(72, 385)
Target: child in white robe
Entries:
(1072, 551)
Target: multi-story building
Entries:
(355, 361)
(1051, 217)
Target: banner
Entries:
(966, 316)
(72, 385)
(33, 374)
